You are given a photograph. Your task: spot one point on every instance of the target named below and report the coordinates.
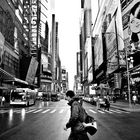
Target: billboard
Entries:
(111, 45)
(78, 63)
(32, 70)
(115, 39)
(44, 61)
(131, 28)
(2, 39)
(98, 50)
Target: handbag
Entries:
(90, 125)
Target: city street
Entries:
(46, 120)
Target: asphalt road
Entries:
(46, 120)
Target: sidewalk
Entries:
(124, 105)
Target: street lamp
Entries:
(128, 77)
(127, 67)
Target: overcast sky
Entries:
(68, 16)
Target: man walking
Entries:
(77, 128)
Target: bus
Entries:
(22, 96)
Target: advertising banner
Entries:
(78, 63)
(115, 39)
(32, 71)
(112, 59)
(117, 80)
(2, 39)
(44, 61)
(98, 50)
(120, 37)
(131, 25)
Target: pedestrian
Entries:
(97, 103)
(134, 98)
(3, 101)
(107, 103)
(114, 99)
(77, 128)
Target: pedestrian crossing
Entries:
(61, 110)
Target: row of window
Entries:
(11, 62)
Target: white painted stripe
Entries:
(38, 111)
(46, 111)
(3, 111)
(53, 111)
(92, 111)
(108, 111)
(17, 111)
(61, 111)
(101, 111)
(30, 111)
(115, 111)
(121, 111)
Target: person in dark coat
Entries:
(107, 103)
(77, 128)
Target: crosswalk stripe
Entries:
(46, 111)
(115, 111)
(121, 111)
(92, 111)
(61, 111)
(37, 111)
(30, 111)
(108, 111)
(17, 111)
(101, 111)
(53, 111)
(3, 111)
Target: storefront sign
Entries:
(117, 80)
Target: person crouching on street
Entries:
(77, 128)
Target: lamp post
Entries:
(128, 77)
(127, 69)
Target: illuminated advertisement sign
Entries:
(111, 44)
(1, 46)
(131, 25)
(32, 71)
(44, 60)
(98, 50)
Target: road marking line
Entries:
(53, 111)
(3, 111)
(115, 111)
(38, 111)
(92, 111)
(17, 111)
(46, 111)
(61, 111)
(101, 111)
(108, 111)
(30, 111)
(121, 111)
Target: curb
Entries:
(126, 109)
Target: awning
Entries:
(5, 75)
(16, 81)
(8, 78)
(20, 81)
(3, 88)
